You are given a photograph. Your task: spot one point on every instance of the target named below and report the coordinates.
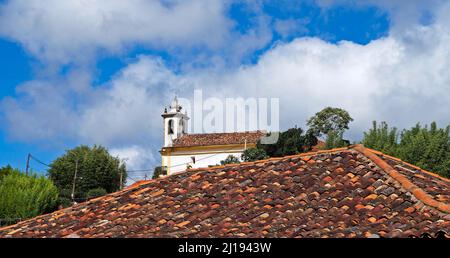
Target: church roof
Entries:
(189, 140)
(346, 192)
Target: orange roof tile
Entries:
(346, 192)
(206, 139)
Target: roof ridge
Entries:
(201, 169)
(239, 132)
(418, 192)
(409, 164)
(304, 154)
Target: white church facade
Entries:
(182, 150)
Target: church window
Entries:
(170, 126)
(183, 129)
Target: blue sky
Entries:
(58, 76)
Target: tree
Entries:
(96, 168)
(253, 154)
(329, 119)
(96, 192)
(381, 138)
(290, 142)
(230, 160)
(6, 170)
(25, 196)
(157, 172)
(335, 140)
(426, 147)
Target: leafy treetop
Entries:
(25, 196)
(328, 120)
(96, 168)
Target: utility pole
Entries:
(28, 163)
(121, 173)
(74, 179)
(121, 176)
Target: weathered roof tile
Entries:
(206, 139)
(337, 193)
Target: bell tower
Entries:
(175, 123)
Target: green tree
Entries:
(25, 196)
(428, 148)
(6, 170)
(329, 119)
(290, 142)
(253, 154)
(335, 140)
(381, 138)
(157, 172)
(230, 160)
(423, 146)
(96, 192)
(95, 167)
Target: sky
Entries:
(101, 72)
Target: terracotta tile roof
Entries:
(347, 192)
(189, 140)
(138, 183)
(319, 146)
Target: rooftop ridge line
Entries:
(305, 154)
(403, 180)
(237, 132)
(409, 164)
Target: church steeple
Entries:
(175, 122)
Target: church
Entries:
(182, 150)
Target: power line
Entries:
(134, 180)
(37, 160)
(140, 170)
(177, 165)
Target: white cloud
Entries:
(71, 30)
(128, 109)
(402, 14)
(289, 27)
(135, 157)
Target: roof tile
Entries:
(206, 139)
(339, 193)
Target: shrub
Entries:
(253, 154)
(230, 160)
(25, 196)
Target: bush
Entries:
(64, 202)
(96, 192)
(25, 196)
(290, 142)
(253, 154)
(158, 171)
(6, 170)
(230, 160)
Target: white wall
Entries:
(178, 160)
